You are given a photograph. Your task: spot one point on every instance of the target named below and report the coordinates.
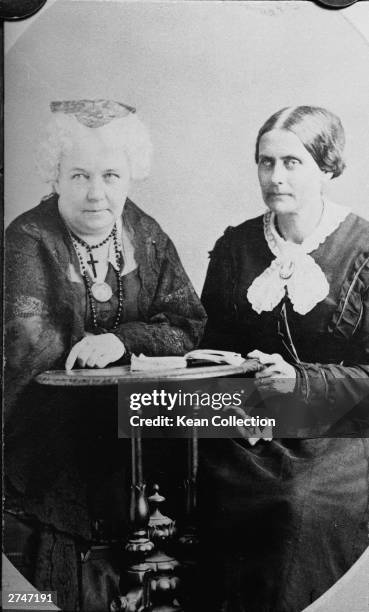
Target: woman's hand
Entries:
(95, 351)
(275, 373)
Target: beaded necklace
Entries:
(100, 291)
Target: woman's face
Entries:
(93, 181)
(289, 177)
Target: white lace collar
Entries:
(293, 270)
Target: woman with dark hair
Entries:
(291, 288)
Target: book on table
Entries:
(196, 358)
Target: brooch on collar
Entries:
(294, 271)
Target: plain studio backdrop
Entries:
(203, 76)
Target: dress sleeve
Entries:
(217, 298)
(176, 317)
(33, 341)
(344, 385)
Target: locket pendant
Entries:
(102, 292)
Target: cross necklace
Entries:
(100, 290)
(91, 262)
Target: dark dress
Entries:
(63, 464)
(288, 518)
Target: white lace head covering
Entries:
(294, 271)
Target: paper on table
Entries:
(143, 363)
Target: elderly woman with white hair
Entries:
(90, 279)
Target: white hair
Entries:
(62, 128)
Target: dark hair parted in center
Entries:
(319, 130)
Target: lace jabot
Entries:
(293, 270)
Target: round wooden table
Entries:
(118, 375)
(139, 542)
(122, 374)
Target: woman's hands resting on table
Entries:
(95, 351)
(275, 374)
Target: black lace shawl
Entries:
(44, 320)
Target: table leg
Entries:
(137, 598)
(189, 537)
